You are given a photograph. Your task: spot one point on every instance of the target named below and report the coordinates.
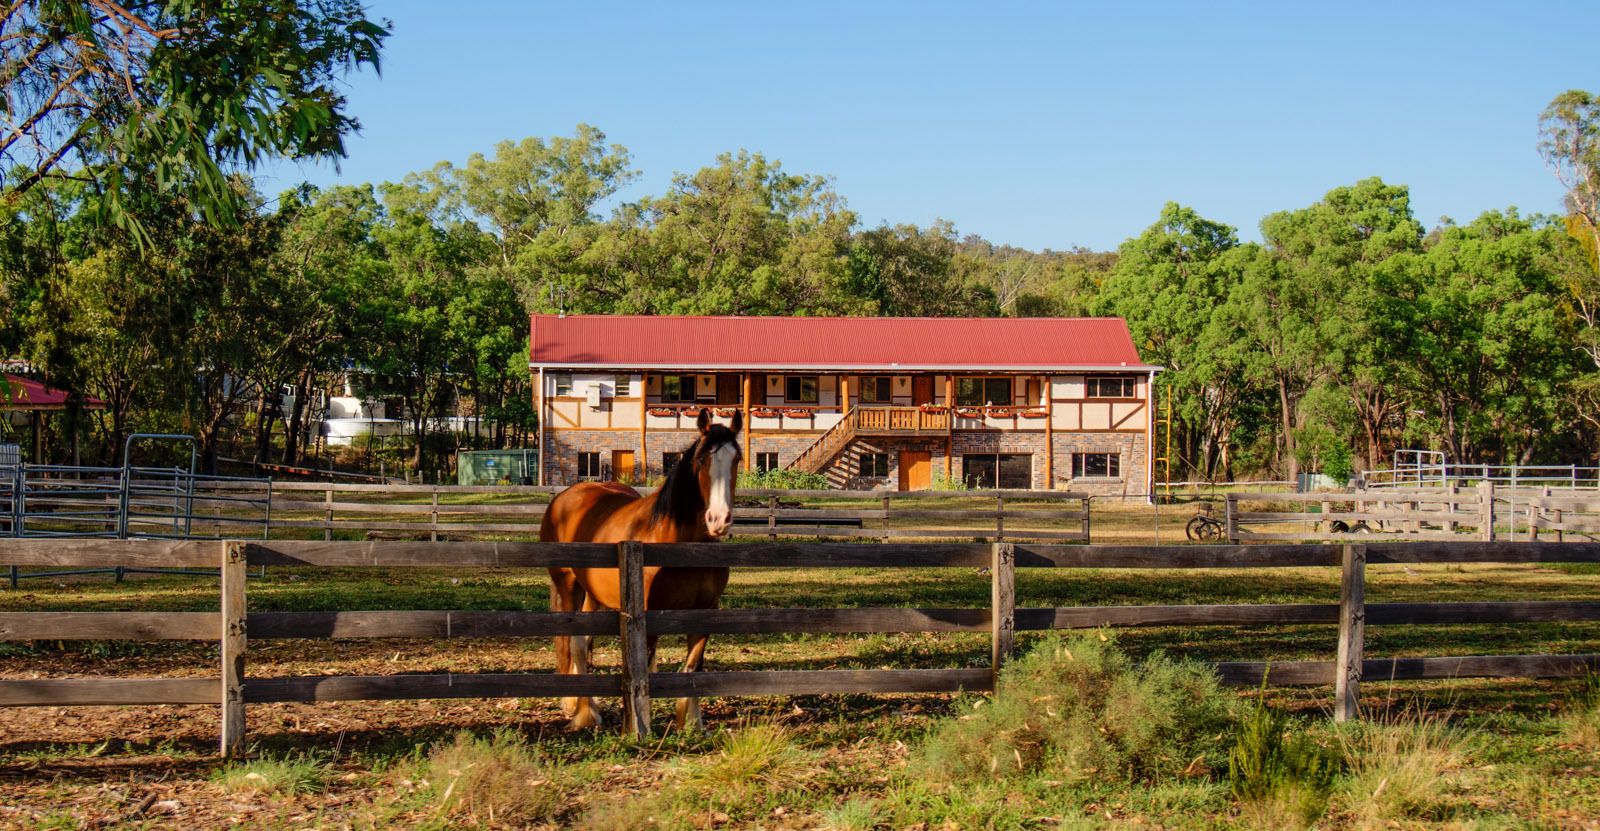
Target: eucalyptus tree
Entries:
(188, 91)
(1168, 285)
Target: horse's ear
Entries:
(704, 421)
(738, 422)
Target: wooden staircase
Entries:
(869, 421)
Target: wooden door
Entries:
(622, 466)
(922, 389)
(916, 470)
(728, 389)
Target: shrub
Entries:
(1076, 709)
(1279, 774)
(782, 479)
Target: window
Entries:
(1012, 471)
(1110, 388)
(800, 389)
(589, 466)
(669, 461)
(1089, 465)
(766, 462)
(875, 464)
(976, 392)
(622, 385)
(877, 389)
(677, 388)
(563, 383)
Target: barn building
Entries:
(871, 403)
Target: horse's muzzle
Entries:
(718, 523)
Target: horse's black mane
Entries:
(679, 499)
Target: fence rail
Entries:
(233, 624)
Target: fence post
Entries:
(1003, 606)
(772, 518)
(1231, 504)
(1486, 510)
(327, 504)
(233, 648)
(433, 526)
(1352, 633)
(635, 644)
(999, 518)
(885, 517)
(1085, 501)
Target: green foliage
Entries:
(941, 482)
(175, 94)
(1079, 710)
(284, 775)
(1272, 762)
(781, 479)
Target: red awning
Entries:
(845, 343)
(27, 394)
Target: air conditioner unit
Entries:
(594, 396)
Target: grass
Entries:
(1499, 753)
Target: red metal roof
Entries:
(884, 343)
(27, 394)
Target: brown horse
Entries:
(694, 505)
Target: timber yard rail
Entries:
(233, 625)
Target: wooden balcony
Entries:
(899, 421)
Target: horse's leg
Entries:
(585, 713)
(688, 716)
(567, 595)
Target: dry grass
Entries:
(1404, 770)
(495, 781)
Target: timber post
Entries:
(1231, 501)
(327, 522)
(433, 522)
(1003, 606)
(1486, 510)
(233, 648)
(772, 518)
(635, 645)
(1352, 633)
(999, 517)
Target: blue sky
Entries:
(1043, 125)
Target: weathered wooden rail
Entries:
(233, 625)
(434, 512)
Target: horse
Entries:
(694, 505)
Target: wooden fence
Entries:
(1426, 514)
(233, 625)
(441, 512)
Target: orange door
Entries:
(916, 470)
(622, 466)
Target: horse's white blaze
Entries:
(719, 510)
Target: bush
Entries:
(1397, 771)
(1275, 772)
(782, 479)
(1077, 709)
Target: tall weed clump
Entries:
(1280, 775)
(1580, 724)
(1399, 771)
(1077, 709)
(499, 779)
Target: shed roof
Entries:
(27, 394)
(844, 343)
